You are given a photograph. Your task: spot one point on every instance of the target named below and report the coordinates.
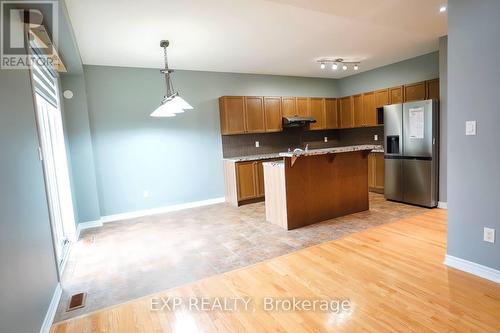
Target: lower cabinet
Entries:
(376, 172)
(243, 181)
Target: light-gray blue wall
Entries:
(412, 70)
(28, 268)
(473, 161)
(176, 160)
(443, 117)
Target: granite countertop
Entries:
(373, 148)
(279, 163)
(334, 150)
(253, 157)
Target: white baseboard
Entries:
(51, 312)
(473, 268)
(87, 225)
(442, 204)
(161, 210)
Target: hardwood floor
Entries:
(393, 276)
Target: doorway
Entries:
(49, 120)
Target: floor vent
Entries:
(77, 301)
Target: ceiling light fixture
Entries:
(442, 9)
(335, 63)
(172, 103)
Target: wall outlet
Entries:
(375, 137)
(489, 235)
(145, 194)
(470, 127)
(325, 138)
(257, 144)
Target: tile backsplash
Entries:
(244, 144)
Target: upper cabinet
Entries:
(381, 98)
(303, 106)
(232, 114)
(331, 113)
(254, 115)
(289, 106)
(272, 112)
(415, 92)
(317, 111)
(346, 112)
(432, 87)
(369, 109)
(396, 95)
(261, 114)
(357, 102)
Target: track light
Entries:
(336, 62)
(344, 67)
(356, 67)
(323, 66)
(335, 66)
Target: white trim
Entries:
(161, 210)
(473, 268)
(442, 204)
(51, 311)
(87, 225)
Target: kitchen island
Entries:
(307, 187)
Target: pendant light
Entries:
(172, 103)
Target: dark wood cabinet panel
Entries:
(346, 112)
(396, 95)
(232, 114)
(381, 98)
(272, 111)
(303, 107)
(357, 102)
(289, 106)
(259, 179)
(415, 92)
(317, 111)
(369, 109)
(331, 113)
(254, 115)
(376, 172)
(432, 87)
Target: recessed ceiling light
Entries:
(442, 9)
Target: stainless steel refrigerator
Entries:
(411, 152)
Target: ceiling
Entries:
(283, 37)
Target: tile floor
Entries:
(132, 258)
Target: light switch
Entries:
(470, 127)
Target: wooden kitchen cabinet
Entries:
(303, 106)
(432, 89)
(254, 115)
(318, 112)
(289, 106)
(273, 115)
(346, 112)
(415, 92)
(396, 95)
(232, 114)
(376, 172)
(357, 102)
(244, 181)
(369, 109)
(381, 98)
(331, 113)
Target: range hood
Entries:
(297, 121)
